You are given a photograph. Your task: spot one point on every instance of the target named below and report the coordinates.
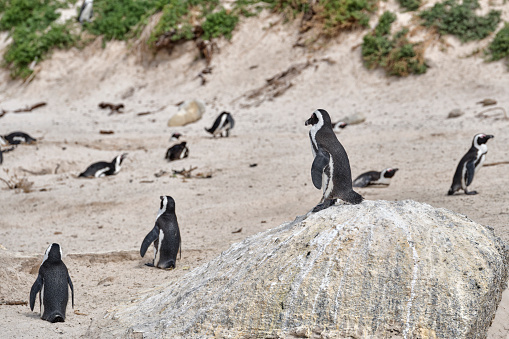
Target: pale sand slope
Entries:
(406, 127)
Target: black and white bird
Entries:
(382, 178)
(16, 138)
(331, 168)
(175, 137)
(165, 235)
(103, 168)
(177, 152)
(52, 282)
(470, 164)
(86, 11)
(338, 126)
(222, 125)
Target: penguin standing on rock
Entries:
(471, 162)
(222, 126)
(52, 284)
(103, 168)
(165, 235)
(331, 169)
(382, 178)
(16, 138)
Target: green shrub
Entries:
(34, 33)
(410, 5)
(394, 53)
(330, 16)
(499, 47)
(219, 24)
(118, 19)
(460, 20)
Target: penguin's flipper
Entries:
(149, 239)
(321, 160)
(469, 175)
(36, 287)
(72, 288)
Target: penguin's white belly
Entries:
(327, 183)
(158, 252)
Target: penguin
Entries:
(175, 137)
(86, 11)
(338, 126)
(165, 235)
(471, 162)
(1, 157)
(375, 178)
(222, 126)
(330, 169)
(103, 168)
(16, 138)
(52, 283)
(177, 151)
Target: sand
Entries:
(100, 223)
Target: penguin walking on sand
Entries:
(52, 284)
(470, 164)
(16, 138)
(165, 235)
(330, 170)
(382, 178)
(222, 125)
(86, 11)
(103, 168)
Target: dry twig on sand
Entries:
(13, 302)
(26, 109)
(483, 114)
(187, 174)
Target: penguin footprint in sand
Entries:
(103, 168)
(382, 178)
(470, 164)
(52, 284)
(165, 235)
(222, 125)
(330, 170)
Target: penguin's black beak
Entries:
(395, 169)
(490, 136)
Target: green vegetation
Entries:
(219, 24)
(394, 53)
(499, 47)
(121, 19)
(460, 20)
(410, 5)
(329, 16)
(34, 32)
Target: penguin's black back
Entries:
(364, 179)
(55, 293)
(167, 222)
(92, 169)
(175, 152)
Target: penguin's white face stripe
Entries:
(47, 253)
(158, 251)
(100, 173)
(162, 210)
(316, 127)
(117, 164)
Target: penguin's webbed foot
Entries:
(149, 264)
(471, 192)
(324, 205)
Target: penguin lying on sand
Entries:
(375, 178)
(86, 11)
(103, 168)
(16, 138)
(331, 168)
(471, 162)
(222, 125)
(338, 126)
(165, 235)
(177, 151)
(52, 283)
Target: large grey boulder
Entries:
(378, 269)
